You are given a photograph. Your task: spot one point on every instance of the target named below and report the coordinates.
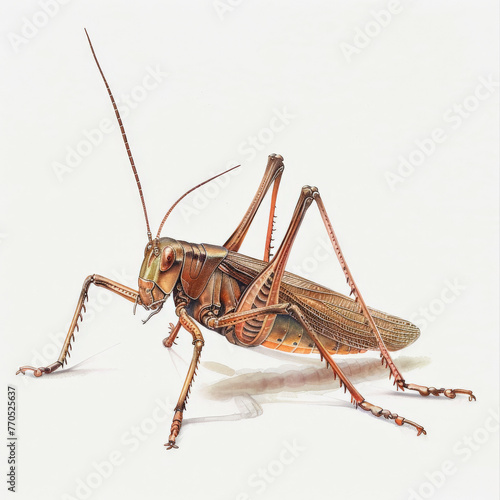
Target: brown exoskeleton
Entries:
(256, 302)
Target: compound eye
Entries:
(167, 258)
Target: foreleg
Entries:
(121, 290)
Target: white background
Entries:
(224, 73)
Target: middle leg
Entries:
(198, 342)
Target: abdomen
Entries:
(288, 335)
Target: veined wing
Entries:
(330, 313)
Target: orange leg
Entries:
(198, 343)
(356, 398)
(174, 330)
(384, 353)
(113, 286)
(262, 295)
(258, 306)
(274, 170)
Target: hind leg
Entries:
(272, 174)
(254, 317)
(294, 311)
(399, 381)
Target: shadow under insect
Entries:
(250, 388)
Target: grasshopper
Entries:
(256, 302)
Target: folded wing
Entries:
(331, 314)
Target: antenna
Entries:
(124, 137)
(186, 193)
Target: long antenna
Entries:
(124, 136)
(186, 193)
